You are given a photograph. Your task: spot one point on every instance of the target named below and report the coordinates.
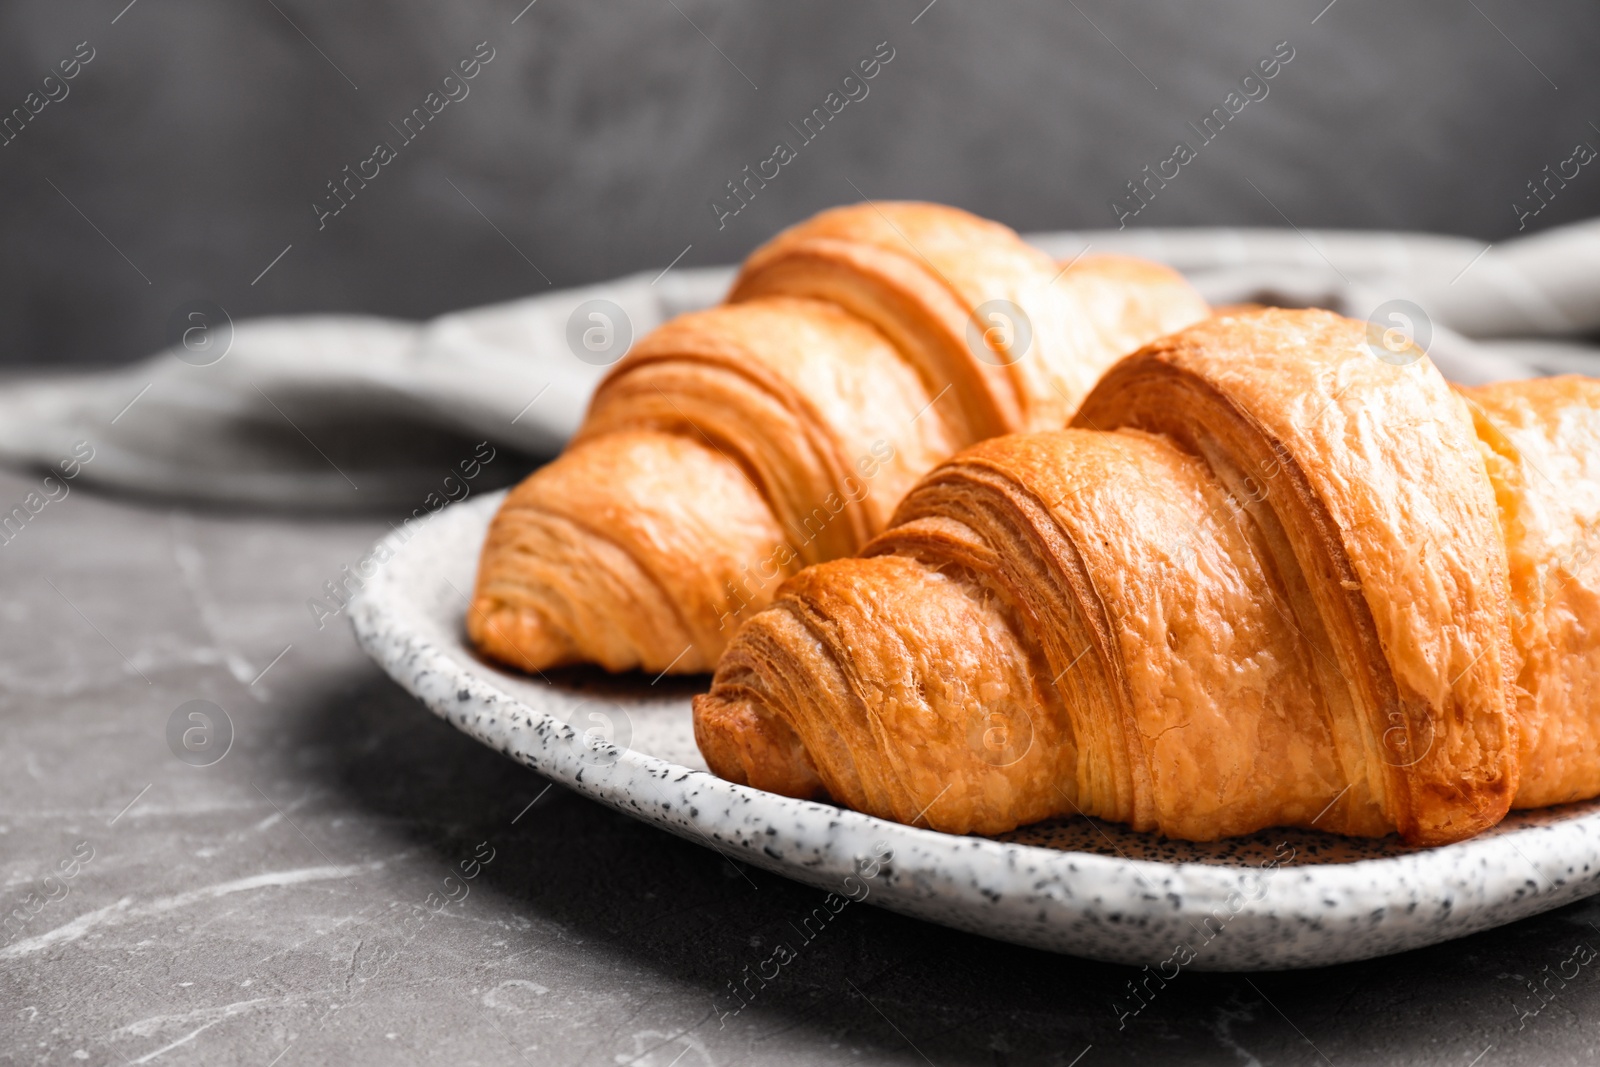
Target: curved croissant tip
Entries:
(518, 637)
(744, 746)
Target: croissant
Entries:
(732, 446)
(1263, 579)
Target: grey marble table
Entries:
(300, 900)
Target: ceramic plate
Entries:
(1277, 899)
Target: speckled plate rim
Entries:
(1206, 916)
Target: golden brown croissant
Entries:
(1265, 579)
(732, 446)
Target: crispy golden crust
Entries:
(917, 272)
(1541, 445)
(798, 414)
(1261, 582)
(604, 543)
(1380, 520)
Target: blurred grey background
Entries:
(186, 155)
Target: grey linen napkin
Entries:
(335, 412)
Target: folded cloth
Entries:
(345, 411)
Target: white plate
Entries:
(1278, 899)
